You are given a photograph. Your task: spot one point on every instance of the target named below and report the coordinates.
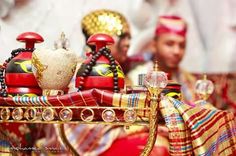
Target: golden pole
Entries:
(152, 126)
(66, 141)
(154, 91)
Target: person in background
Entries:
(169, 46)
(111, 23)
(118, 27)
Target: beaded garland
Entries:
(14, 53)
(95, 55)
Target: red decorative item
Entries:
(16, 78)
(100, 70)
(131, 146)
(30, 38)
(100, 40)
(18, 74)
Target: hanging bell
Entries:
(100, 70)
(19, 79)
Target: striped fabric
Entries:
(87, 140)
(179, 134)
(5, 147)
(206, 132)
(138, 100)
(85, 98)
(91, 140)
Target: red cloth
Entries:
(171, 24)
(133, 146)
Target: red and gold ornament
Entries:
(100, 70)
(19, 79)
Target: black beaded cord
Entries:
(95, 55)
(14, 53)
(107, 54)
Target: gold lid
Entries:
(104, 21)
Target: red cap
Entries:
(171, 24)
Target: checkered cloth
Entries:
(197, 130)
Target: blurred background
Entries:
(211, 43)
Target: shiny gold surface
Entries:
(66, 141)
(105, 21)
(37, 115)
(152, 127)
(39, 67)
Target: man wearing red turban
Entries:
(169, 46)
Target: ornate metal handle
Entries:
(152, 126)
(65, 140)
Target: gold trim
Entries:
(154, 105)
(120, 123)
(51, 113)
(126, 115)
(6, 116)
(70, 111)
(89, 118)
(58, 120)
(113, 115)
(60, 101)
(20, 112)
(65, 140)
(26, 114)
(39, 67)
(82, 98)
